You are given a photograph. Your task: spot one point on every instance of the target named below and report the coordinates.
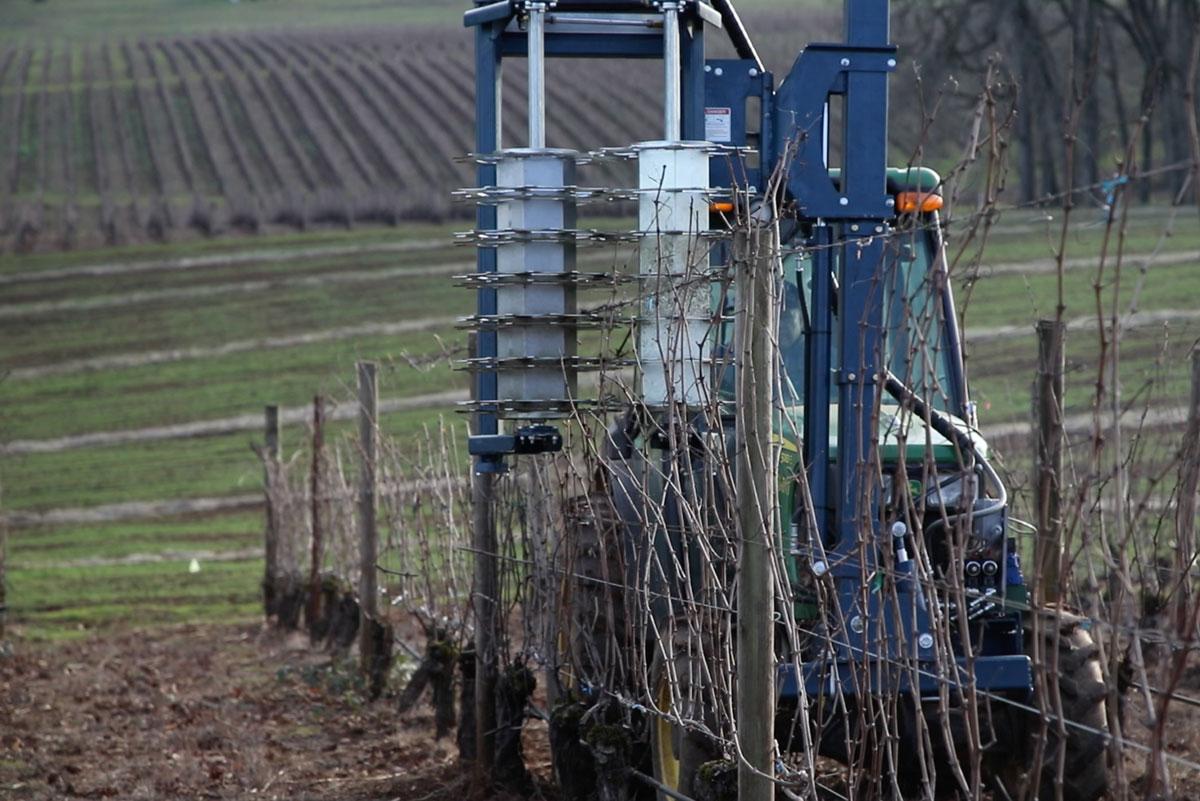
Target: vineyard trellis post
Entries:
(368, 404)
(3, 573)
(486, 592)
(1048, 456)
(271, 453)
(756, 496)
(484, 589)
(1185, 522)
(314, 575)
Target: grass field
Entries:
(133, 342)
(136, 375)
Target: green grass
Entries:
(11, 263)
(46, 546)
(1153, 369)
(284, 273)
(144, 472)
(1021, 235)
(219, 386)
(242, 383)
(48, 603)
(228, 317)
(151, 471)
(1017, 299)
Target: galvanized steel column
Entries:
(536, 54)
(672, 91)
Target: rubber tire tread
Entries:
(1083, 693)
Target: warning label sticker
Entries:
(718, 124)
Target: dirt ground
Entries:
(216, 712)
(246, 712)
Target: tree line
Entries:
(1103, 90)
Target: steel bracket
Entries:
(801, 112)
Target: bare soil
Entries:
(246, 712)
(216, 712)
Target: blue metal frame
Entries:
(859, 73)
(497, 38)
(816, 391)
(996, 673)
(850, 226)
(730, 84)
(487, 140)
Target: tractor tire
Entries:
(1083, 743)
(678, 751)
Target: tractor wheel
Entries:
(1083, 742)
(678, 751)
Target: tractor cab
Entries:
(933, 474)
(921, 345)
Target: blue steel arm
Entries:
(816, 391)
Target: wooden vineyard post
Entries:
(485, 594)
(3, 573)
(271, 453)
(756, 515)
(486, 591)
(368, 534)
(1185, 512)
(1048, 456)
(314, 575)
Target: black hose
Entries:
(943, 425)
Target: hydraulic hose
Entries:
(944, 426)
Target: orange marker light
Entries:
(720, 207)
(917, 201)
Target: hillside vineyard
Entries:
(140, 139)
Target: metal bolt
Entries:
(997, 530)
(754, 72)
(708, 67)
(891, 62)
(891, 201)
(925, 641)
(845, 201)
(845, 62)
(879, 229)
(718, 71)
(819, 568)
(851, 377)
(854, 227)
(856, 624)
